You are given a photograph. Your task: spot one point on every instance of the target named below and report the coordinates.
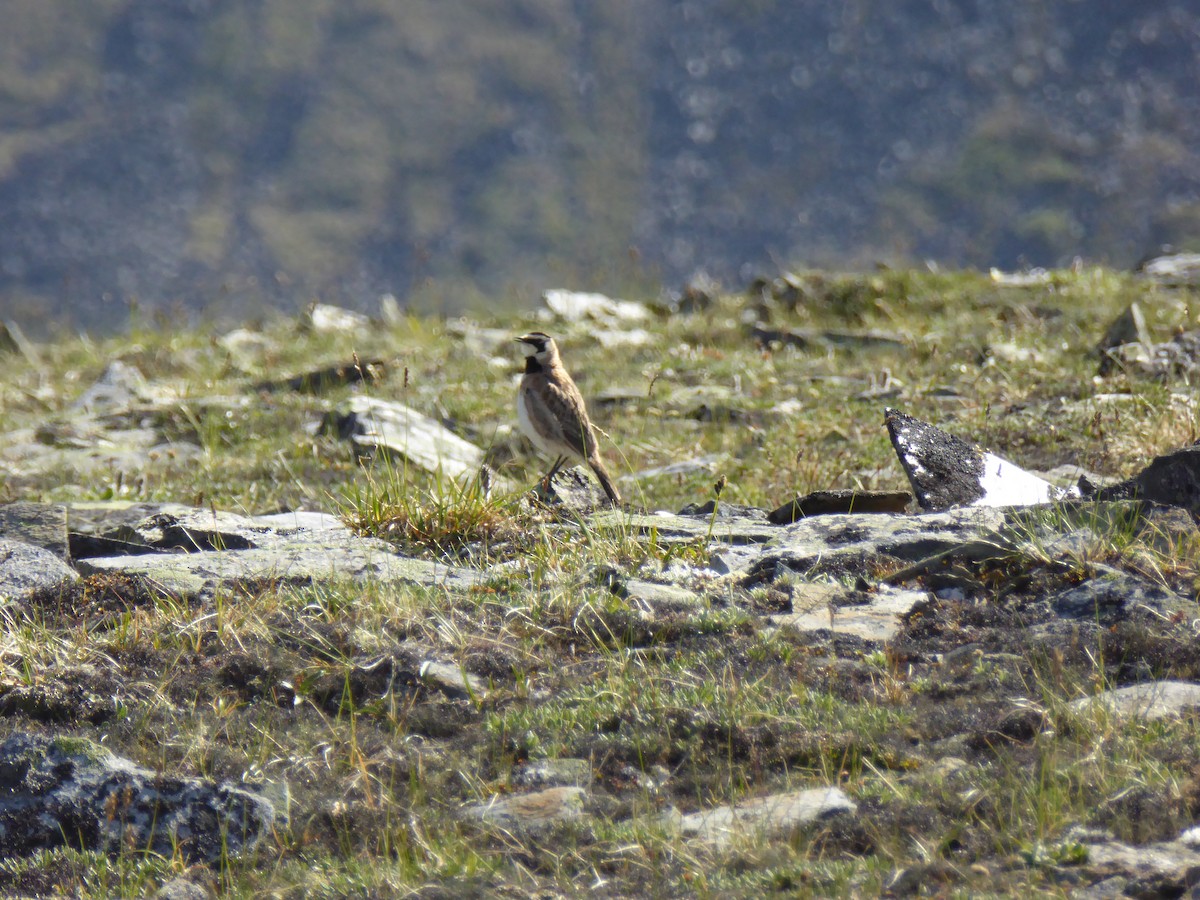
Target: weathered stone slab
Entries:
(876, 619)
(853, 541)
(1175, 269)
(1171, 866)
(775, 817)
(69, 791)
(120, 385)
(576, 306)
(1151, 700)
(673, 529)
(25, 568)
(41, 524)
(301, 562)
(452, 680)
(385, 424)
(1114, 595)
(946, 471)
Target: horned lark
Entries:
(551, 412)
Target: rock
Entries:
(384, 424)
(542, 773)
(853, 542)
(41, 524)
(611, 338)
(775, 817)
(946, 471)
(248, 350)
(530, 813)
(118, 387)
(724, 510)
(1172, 479)
(1163, 869)
(875, 618)
(804, 338)
(318, 381)
(572, 489)
(820, 503)
(71, 792)
(181, 888)
(304, 559)
(1114, 596)
(1176, 269)
(329, 319)
(452, 680)
(1152, 700)
(576, 306)
(1032, 278)
(1127, 328)
(25, 569)
(668, 528)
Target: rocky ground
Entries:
(268, 630)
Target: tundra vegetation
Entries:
(956, 738)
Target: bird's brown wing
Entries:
(563, 416)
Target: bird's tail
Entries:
(606, 482)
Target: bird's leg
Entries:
(550, 475)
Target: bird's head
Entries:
(539, 346)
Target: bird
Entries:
(552, 415)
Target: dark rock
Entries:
(318, 381)
(820, 503)
(1172, 479)
(71, 792)
(947, 471)
(1115, 596)
(861, 340)
(724, 511)
(1127, 328)
(25, 569)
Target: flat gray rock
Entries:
(41, 524)
(673, 529)
(1151, 700)
(425, 442)
(1114, 595)
(875, 619)
(25, 569)
(775, 817)
(304, 561)
(57, 792)
(850, 542)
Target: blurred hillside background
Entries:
(236, 155)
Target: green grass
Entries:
(315, 686)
